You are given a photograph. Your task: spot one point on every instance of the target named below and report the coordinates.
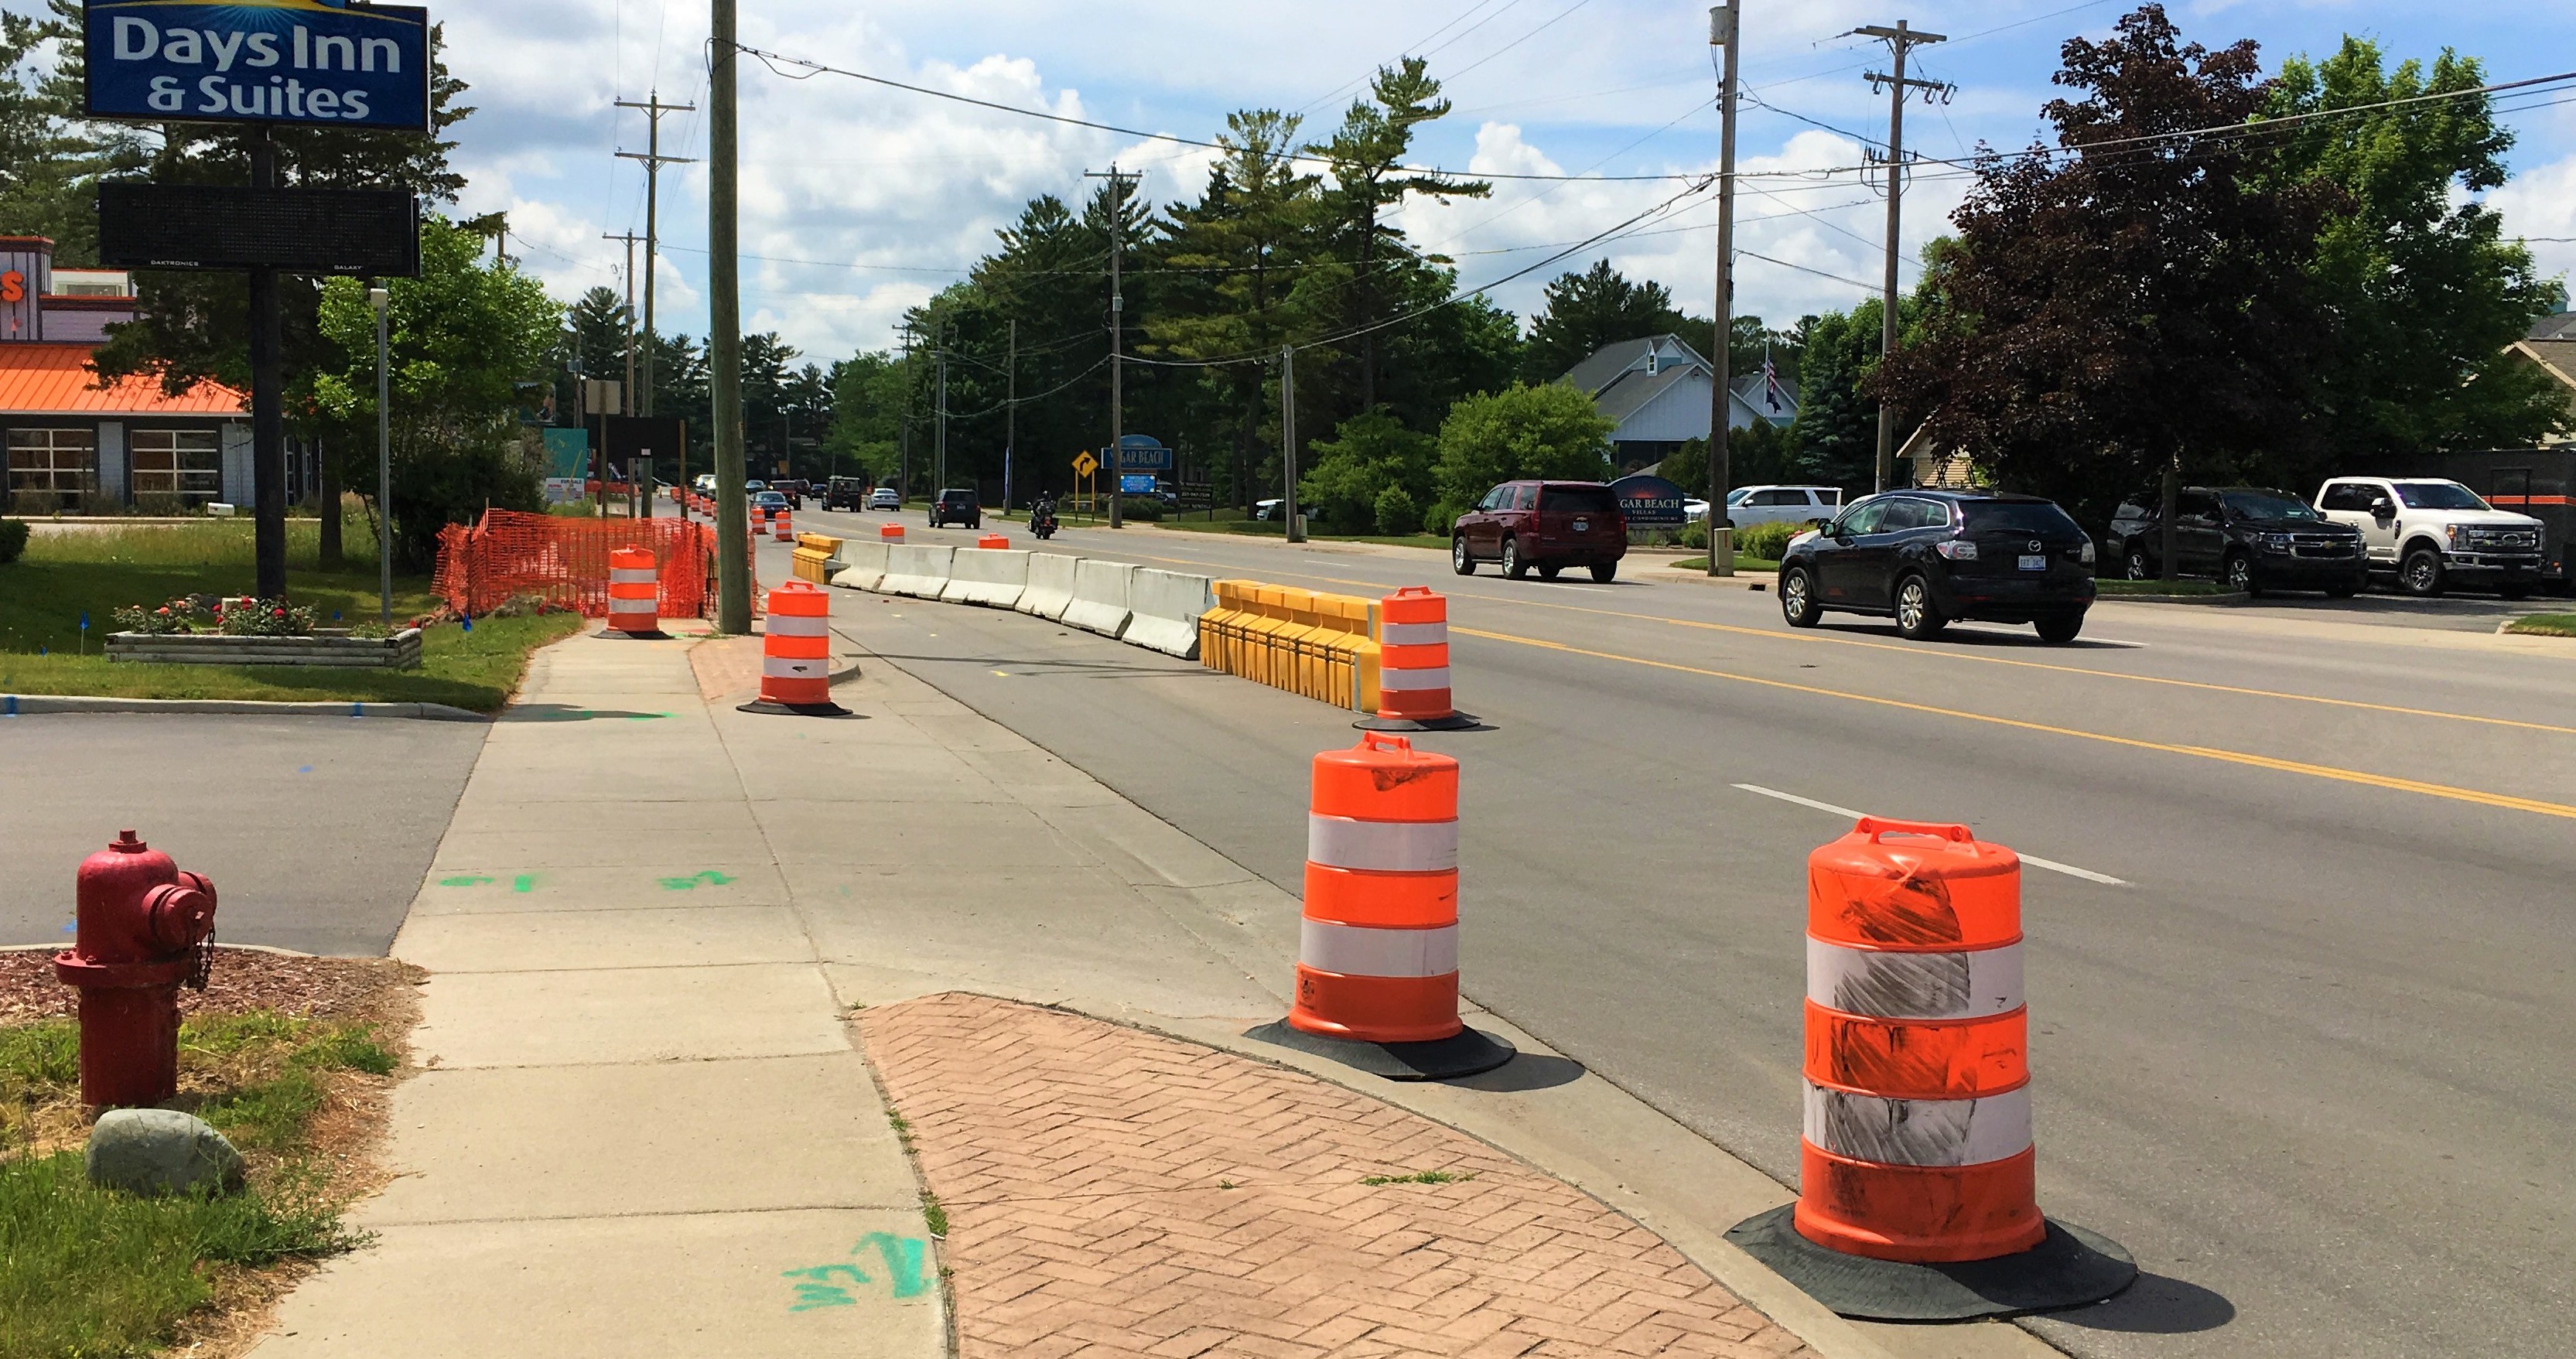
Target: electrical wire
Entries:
(1766, 259)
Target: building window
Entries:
(185, 466)
(51, 469)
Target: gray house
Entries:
(1656, 390)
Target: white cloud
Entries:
(2542, 203)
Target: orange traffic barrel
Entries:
(1413, 665)
(1917, 1198)
(892, 533)
(796, 654)
(993, 542)
(778, 528)
(1917, 1142)
(634, 593)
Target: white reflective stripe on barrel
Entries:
(1382, 846)
(622, 575)
(1919, 1132)
(631, 608)
(1976, 984)
(786, 667)
(1412, 681)
(1360, 951)
(789, 625)
(1414, 634)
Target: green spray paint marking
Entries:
(903, 1256)
(691, 884)
(463, 882)
(525, 882)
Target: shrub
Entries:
(1442, 518)
(13, 540)
(1143, 509)
(1396, 513)
(263, 618)
(178, 616)
(1769, 542)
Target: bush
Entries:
(180, 615)
(1396, 512)
(1695, 535)
(1769, 542)
(1143, 509)
(263, 618)
(1442, 518)
(13, 540)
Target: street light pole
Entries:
(382, 301)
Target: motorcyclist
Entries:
(1042, 515)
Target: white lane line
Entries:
(2033, 860)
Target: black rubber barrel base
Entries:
(762, 705)
(656, 635)
(1453, 722)
(2070, 1268)
(1467, 1053)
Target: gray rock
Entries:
(160, 1151)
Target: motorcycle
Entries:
(1042, 523)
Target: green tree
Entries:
(1579, 313)
(50, 158)
(463, 335)
(867, 413)
(1550, 430)
(2427, 292)
(1835, 437)
(1371, 454)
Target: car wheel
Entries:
(1513, 566)
(1918, 619)
(2060, 631)
(2238, 575)
(2421, 576)
(1549, 571)
(1798, 598)
(1460, 560)
(1604, 572)
(2138, 566)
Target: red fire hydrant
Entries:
(145, 929)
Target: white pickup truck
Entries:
(2430, 534)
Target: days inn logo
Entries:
(307, 61)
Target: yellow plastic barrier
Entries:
(1321, 646)
(816, 557)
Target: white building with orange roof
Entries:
(77, 447)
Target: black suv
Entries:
(1929, 558)
(956, 507)
(846, 493)
(2246, 537)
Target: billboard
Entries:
(331, 63)
(1143, 453)
(1650, 502)
(358, 233)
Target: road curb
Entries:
(2238, 598)
(34, 705)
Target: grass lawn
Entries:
(1263, 528)
(1743, 562)
(87, 1272)
(2545, 625)
(65, 575)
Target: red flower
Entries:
(280, 613)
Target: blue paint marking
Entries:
(306, 769)
(357, 710)
(12, 707)
(71, 927)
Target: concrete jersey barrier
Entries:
(921, 572)
(1165, 608)
(1050, 588)
(1100, 595)
(865, 565)
(992, 577)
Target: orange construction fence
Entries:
(565, 562)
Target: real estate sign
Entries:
(333, 63)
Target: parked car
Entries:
(2430, 534)
(2532, 481)
(1931, 558)
(845, 493)
(1549, 525)
(956, 507)
(1268, 509)
(2247, 538)
(885, 498)
(1750, 505)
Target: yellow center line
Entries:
(1970, 657)
(2439, 790)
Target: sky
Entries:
(860, 201)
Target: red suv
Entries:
(1547, 524)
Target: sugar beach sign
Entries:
(334, 63)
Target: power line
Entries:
(1542, 28)
(1766, 259)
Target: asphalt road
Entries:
(315, 830)
(2303, 1052)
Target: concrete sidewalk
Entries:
(647, 1128)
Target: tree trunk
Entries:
(332, 558)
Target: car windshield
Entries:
(2439, 495)
(1736, 496)
(2019, 516)
(1578, 500)
(2267, 505)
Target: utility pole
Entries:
(1723, 26)
(1288, 437)
(1900, 40)
(903, 428)
(1011, 415)
(630, 238)
(939, 455)
(268, 404)
(653, 160)
(1117, 341)
(724, 326)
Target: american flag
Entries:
(1771, 392)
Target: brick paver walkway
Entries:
(1114, 1193)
